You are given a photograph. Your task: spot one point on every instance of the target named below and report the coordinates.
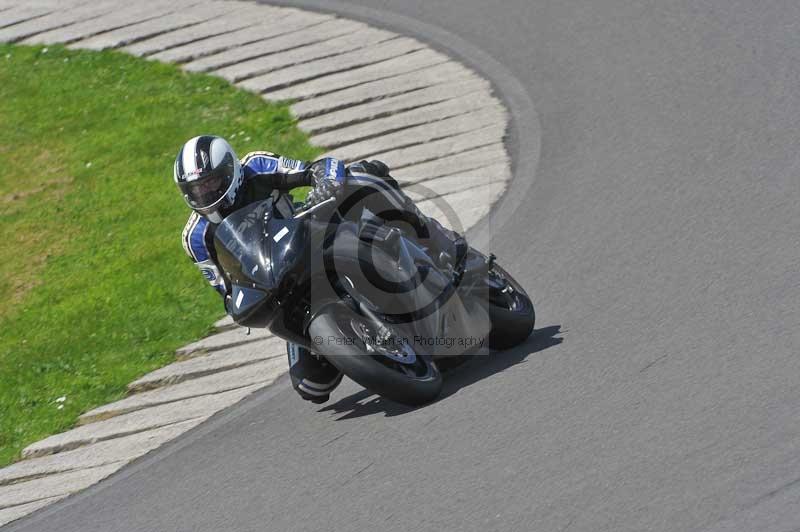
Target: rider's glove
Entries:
(326, 170)
(323, 191)
(329, 177)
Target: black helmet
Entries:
(209, 175)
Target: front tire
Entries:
(386, 373)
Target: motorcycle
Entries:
(366, 297)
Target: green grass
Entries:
(96, 288)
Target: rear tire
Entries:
(410, 384)
(510, 310)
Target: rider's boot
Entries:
(313, 377)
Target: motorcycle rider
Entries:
(215, 183)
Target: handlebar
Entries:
(306, 212)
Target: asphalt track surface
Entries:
(655, 220)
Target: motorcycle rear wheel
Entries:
(391, 369)
(510, 310)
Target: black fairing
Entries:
(261, 253)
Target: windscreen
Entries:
(242, 248)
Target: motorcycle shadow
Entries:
(475, 369)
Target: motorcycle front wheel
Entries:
(387, 365)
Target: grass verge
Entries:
(96, 287)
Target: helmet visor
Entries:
(210, 186)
